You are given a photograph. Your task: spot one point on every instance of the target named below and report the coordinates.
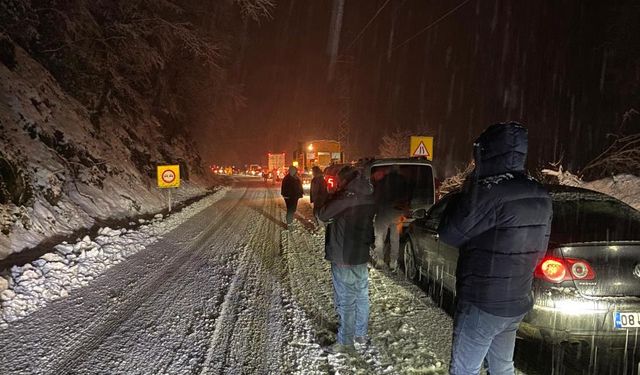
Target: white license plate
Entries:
(626, 320)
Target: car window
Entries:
(590, 217)
(416, 181)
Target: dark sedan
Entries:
(586, 288)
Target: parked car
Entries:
(418, 172)
(586, 288)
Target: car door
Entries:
(448, 255)
(432, 264)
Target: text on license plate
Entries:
(626, 320)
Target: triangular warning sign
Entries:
(421, 150)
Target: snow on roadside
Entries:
(409, 333)
(72, 266)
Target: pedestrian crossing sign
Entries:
(421, 146)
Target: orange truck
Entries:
(322, 153)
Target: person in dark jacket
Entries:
(392, 200)
(349, 236)
(501, 224)
(291, 191)
(318, 193)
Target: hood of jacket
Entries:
(501, 148)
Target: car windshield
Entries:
(590, 217)
(416, 179)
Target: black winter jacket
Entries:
(349, 235)
(318, 193)
(291, 187)
(500, 223)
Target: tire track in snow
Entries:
(179, 317)
(247, 338)
(64, 342)
(96, 332)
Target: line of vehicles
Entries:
(587, 287)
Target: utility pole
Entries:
(340, 70)
(345, 68)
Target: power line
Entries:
(431, 24)
(367, 25)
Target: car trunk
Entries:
(616, 266)
(604, 232)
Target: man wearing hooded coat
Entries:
(500, 223)
(291, 190)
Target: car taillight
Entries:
(552, 270)
(581, 269)
(556, 270)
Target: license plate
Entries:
(626, 320)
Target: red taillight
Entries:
(556, 270)
(552, 270)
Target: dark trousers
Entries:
(292, 206)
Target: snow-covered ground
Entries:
(409, 333)
(221, 288)
(228, 290)
(71, 266)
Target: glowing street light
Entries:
(310, 147)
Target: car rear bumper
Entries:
(581, 320)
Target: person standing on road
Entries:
(349, 235)
(501, 223)
(318, 193)
(392, 199)
(291, 191)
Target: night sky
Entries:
(559, 67)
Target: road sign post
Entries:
(168, 177)
(421, 146)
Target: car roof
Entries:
(566, 193)
(389, 161)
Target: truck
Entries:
(321, 153)
(277, 164)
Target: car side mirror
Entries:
(419, 213)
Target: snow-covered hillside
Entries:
(59, 172)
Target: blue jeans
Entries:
(351, 299)
(478, 334)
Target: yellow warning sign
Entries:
(168, 176)
(421, 146)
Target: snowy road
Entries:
(229, 291)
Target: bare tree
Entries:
(456, 181)
(622, 155)
(395, 145)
